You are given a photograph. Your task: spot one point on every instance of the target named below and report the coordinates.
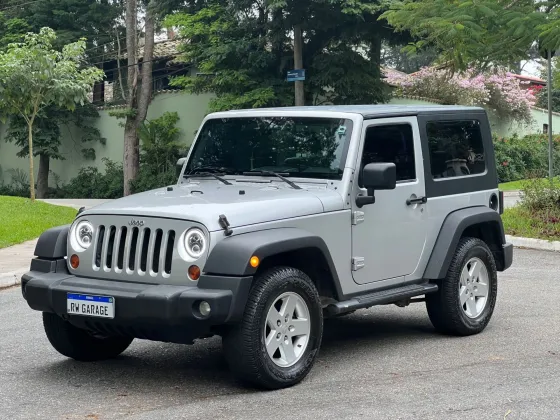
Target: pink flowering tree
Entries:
(500, 92)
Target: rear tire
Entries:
(279, 337)
(466, 298)
(80, 345)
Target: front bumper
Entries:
(156, 312)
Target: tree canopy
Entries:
(72, 20)
(479, 33)
(242, 51)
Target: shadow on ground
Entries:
(201, 369)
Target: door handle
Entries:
(419, 200)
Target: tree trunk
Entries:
(375, 52)
(43, 176)
(31, 170)
(147, 65)
(137, 104)
(298, 64)
(131, 158)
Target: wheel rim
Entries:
(287, 329)
(474, 287)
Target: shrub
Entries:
(147, 180)
(19, 186)
(541, 195)
(499, 91)
(524, 157)
(159, 154)
(92, 183)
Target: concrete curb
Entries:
(11, 279)
(531, 243)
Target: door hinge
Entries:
(358, 217)
(357, 263)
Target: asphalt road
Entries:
(382, 363)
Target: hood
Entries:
(242, 203)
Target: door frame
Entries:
(413, 122)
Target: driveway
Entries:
(381, 363)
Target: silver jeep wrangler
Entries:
(279, 219)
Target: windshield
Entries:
(294, 146)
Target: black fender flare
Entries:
(451, 231)
(232, 255)
(52, 243)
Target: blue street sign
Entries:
(296, 75)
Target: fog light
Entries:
(194, 272)
(204, 308)
(74, 261)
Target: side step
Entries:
(380, 298)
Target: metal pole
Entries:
(549, 86)
(298, 64)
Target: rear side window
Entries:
(456, 148)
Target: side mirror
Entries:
(377, 176)
(179, 166)
(380, 176)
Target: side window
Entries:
(456, 148)
(391, 144)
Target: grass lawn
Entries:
(544, 224)
(21, 220)
(518, 185)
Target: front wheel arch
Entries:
(52, 244)
(284, 246)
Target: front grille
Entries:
(134, 250)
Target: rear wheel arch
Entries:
(489, 233)
(476, 222)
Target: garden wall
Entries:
(191, 109)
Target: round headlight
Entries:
(195, 243)
(84, 234)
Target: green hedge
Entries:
(524, 157)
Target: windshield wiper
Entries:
(270, 173)
(208, 174)
(212, 169)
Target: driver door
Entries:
(388, 236)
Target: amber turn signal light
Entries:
(254, 261)
(194, 272)
(74, 261)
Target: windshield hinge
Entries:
(357, 263)
(223, 221)
(358, 217)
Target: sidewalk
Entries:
(511, 198)
(15, 260)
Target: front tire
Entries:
(80, 345)
(279, 337)
(466, 298)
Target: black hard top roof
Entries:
(372, 111)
